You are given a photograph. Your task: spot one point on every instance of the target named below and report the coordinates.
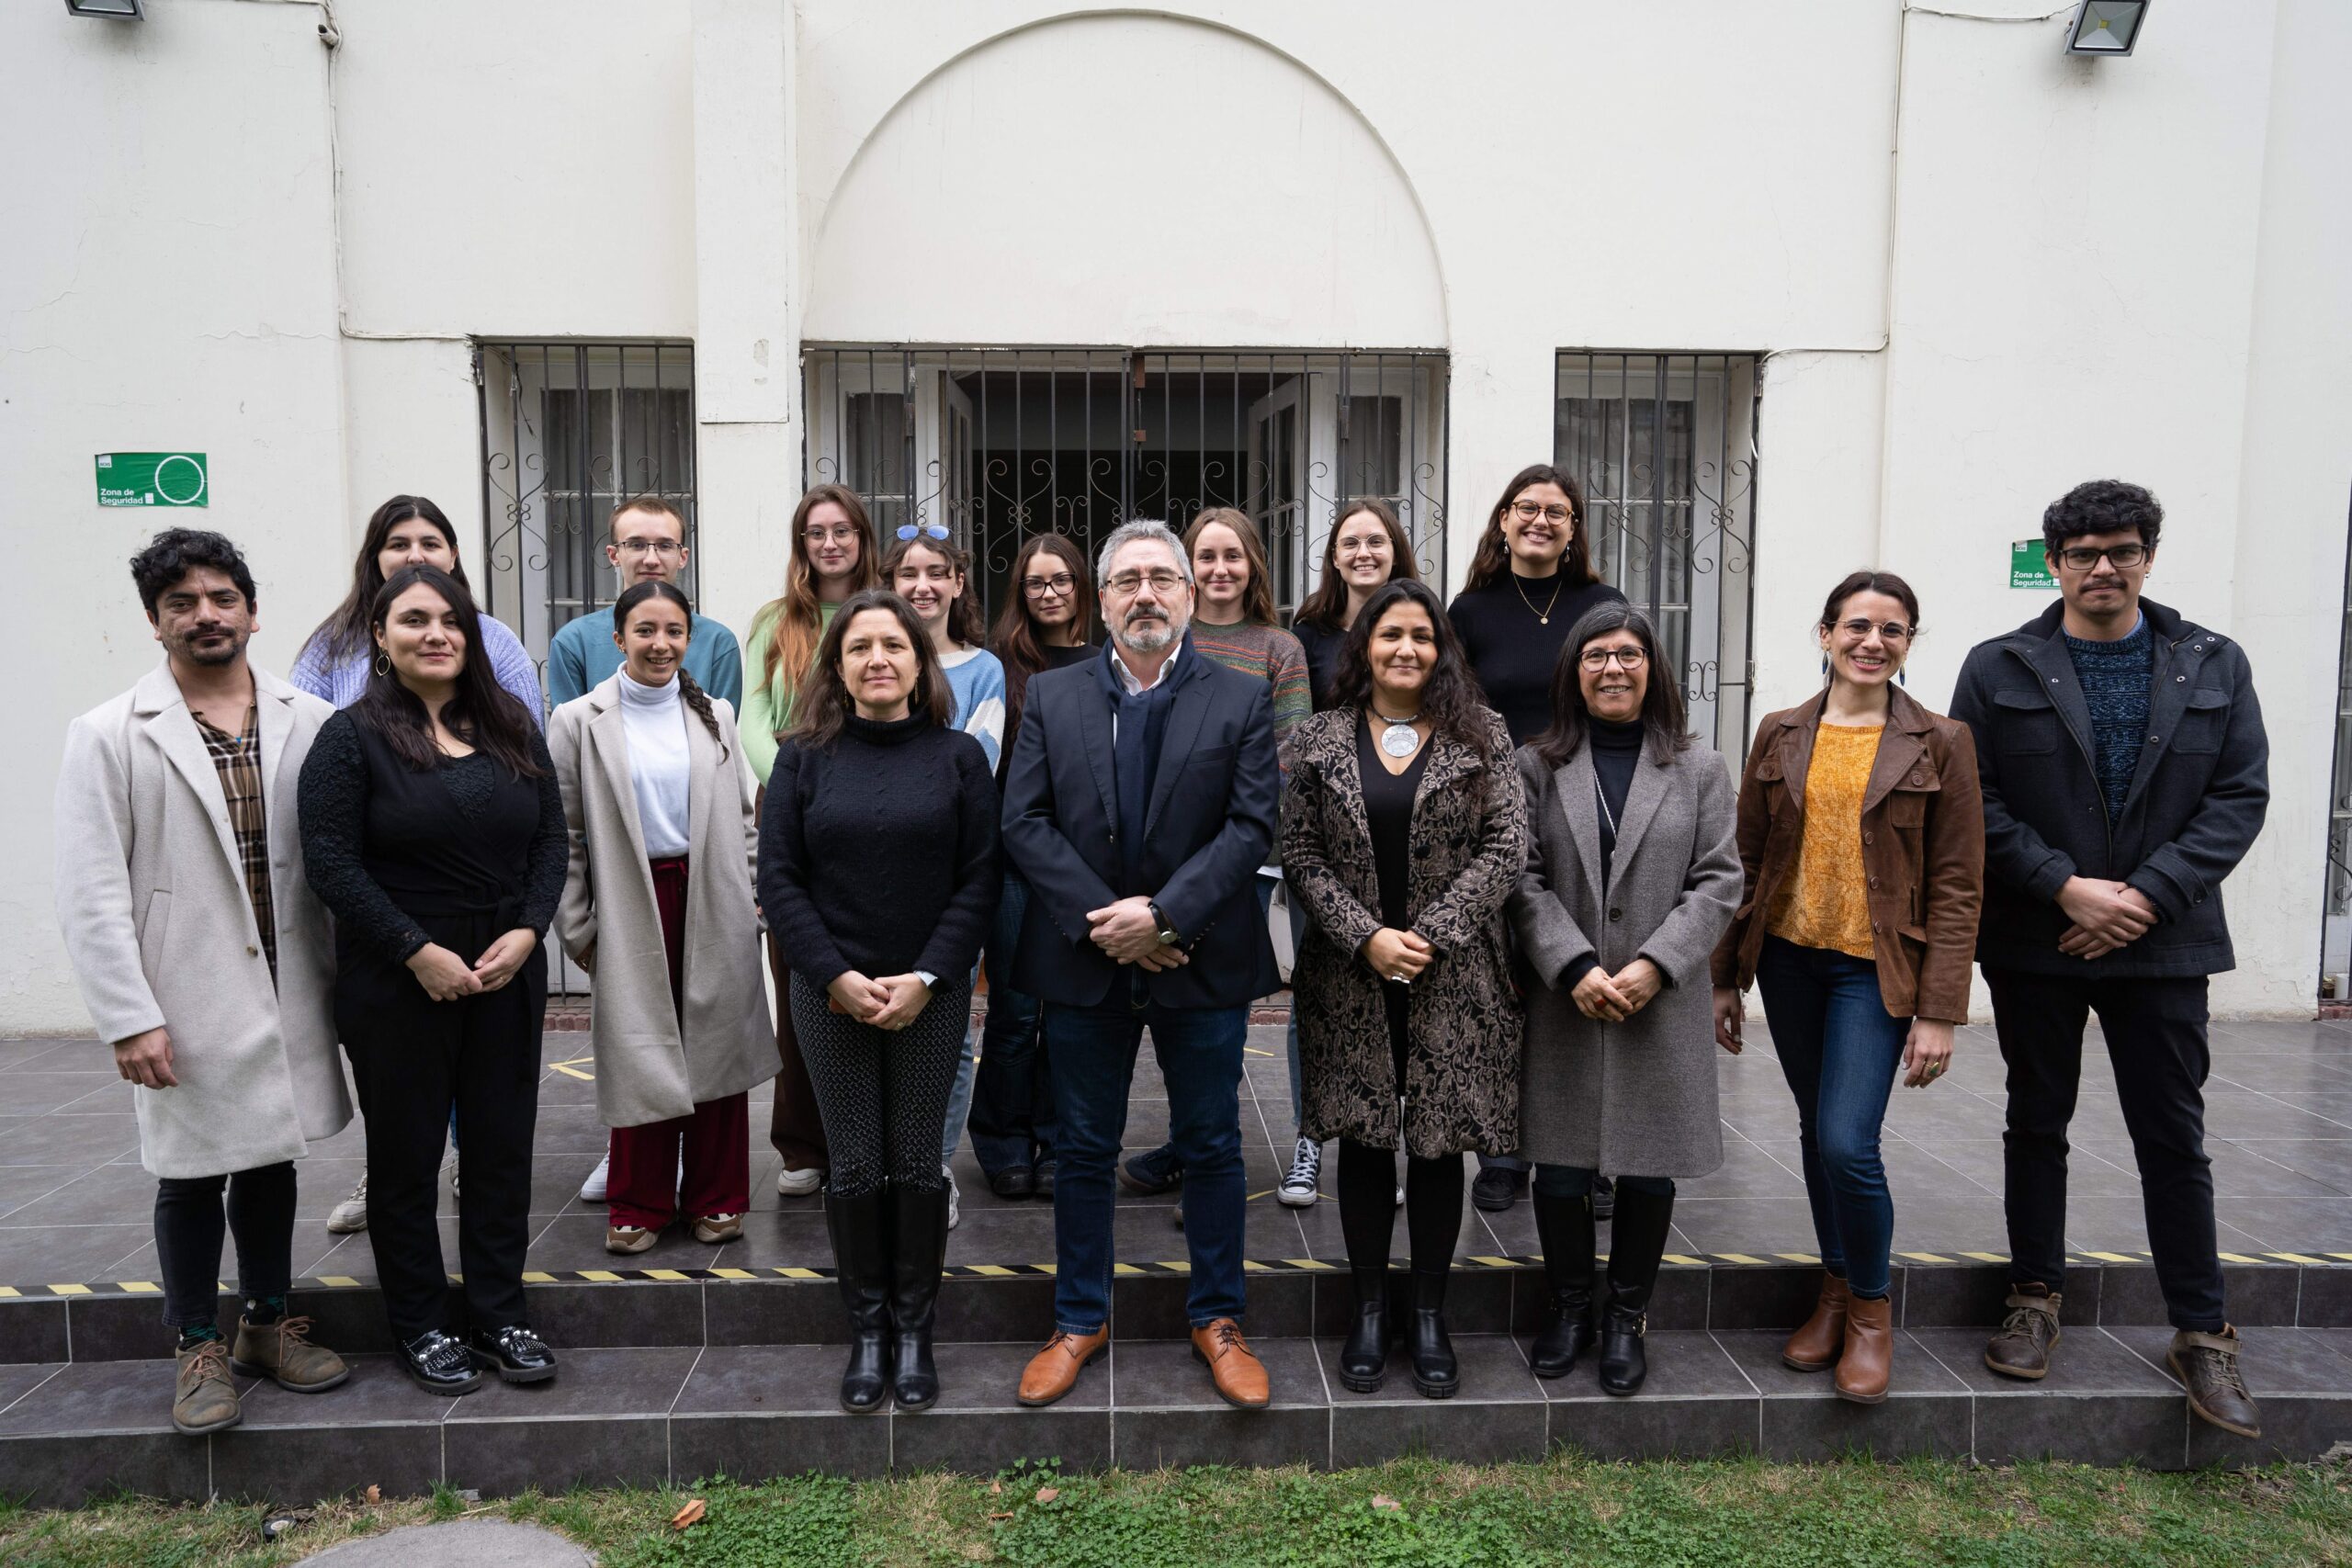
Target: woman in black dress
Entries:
(879, 873)
(433, 831)
(1530, 582)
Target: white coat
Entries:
(647, 1070)
(151, 896)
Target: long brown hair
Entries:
(798, 621)
(963, 623)
(479, 711)
(826, 705)
(1328, 602)
(1666, 724)
(1258, 599)
(1493, 560)
(1016, 643)
(347, 631)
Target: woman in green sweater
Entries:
(833, 557)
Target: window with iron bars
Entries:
(568, 432)
(1664, 445)
(1001, 444)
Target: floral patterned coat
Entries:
(1469, 839)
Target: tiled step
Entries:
(646, 1415)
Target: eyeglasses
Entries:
(650, 547)
(838, 533)
(1597, 659)
(1528, 511)
(2082, 557)
(927, 530)
(1062, 583)
(1892, 631)
(1162, 581)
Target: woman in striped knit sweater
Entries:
(1234, 623)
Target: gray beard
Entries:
(1152, 637)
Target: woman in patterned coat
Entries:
(1404, 826)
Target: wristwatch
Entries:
(1167, 937)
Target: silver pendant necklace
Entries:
(1398, 738)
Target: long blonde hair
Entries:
(798, 619)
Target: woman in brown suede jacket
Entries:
(1862, 835)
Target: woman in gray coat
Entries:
(1632, 877)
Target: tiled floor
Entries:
(75, 1205)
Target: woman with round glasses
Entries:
(1048, 623)
(833, 557)
(1630, 878)
(1366, 550)
(1531, 581)
(1861, 843)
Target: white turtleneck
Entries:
(654, 722)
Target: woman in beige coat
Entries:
(658, 907)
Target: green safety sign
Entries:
(154, 479)
(2028, 567)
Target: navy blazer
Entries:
(1209, 827)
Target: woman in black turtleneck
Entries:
(1531, 581)
(1630, 881)
(880, 874)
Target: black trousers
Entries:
(190, 1225)
(2155, 1037)
(416, 1059)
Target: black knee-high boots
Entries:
(1636, 1246)
(1564, 1228)
(919, 1249)
(861, 1266)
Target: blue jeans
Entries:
(1297, 940)
(1011, 1119)
(1838, 1049)
(959, 1095)
(1094, 1053)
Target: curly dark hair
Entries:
(1665, 720)
(2101, 506)
(174, 553)
(1450, 699)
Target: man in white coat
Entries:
(207, 963)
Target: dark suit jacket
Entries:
(1209, 827)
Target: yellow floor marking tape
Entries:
(1737, 1258)
(1315, 1264)
(800, 1273)
(732, 1274)
(140, 1287)
(994, 1270)
(345, 1282)
(1184, 1267)
(1797, 1257)
(1492, 1262)
(71, 1289)
(538, 1277)
(2237, 1258)
(601, 1274)
(1924, 1256)
(2293, 1257)
(2111, 1257)
(663, 1274)
(1985, 1256)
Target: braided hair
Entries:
(688, 687)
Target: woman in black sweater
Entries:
(433, 831)
(879, 873)
(1531, 582)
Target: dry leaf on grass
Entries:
(1000, 1516)
(995, 1488)
(375, 1493)
(689, 1514)
(1381, 1500)
(1048, 1494)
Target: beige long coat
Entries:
(646, 1071)
(152, 900)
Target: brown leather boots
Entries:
(1854, 1336)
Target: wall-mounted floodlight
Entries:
(120, 10)
(2107, 27)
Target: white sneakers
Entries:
(351, 1215)
(1298, 1188)
(791, 1183)
(593, 1189)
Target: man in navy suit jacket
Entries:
(1140, 804)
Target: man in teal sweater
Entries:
(647, 543)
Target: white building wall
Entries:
(2067, 270)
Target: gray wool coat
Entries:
(151, 896)
(1635, 1098)
(647, 1070)
(1468, 838)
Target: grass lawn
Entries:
(1565, 1510)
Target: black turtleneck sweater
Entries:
(1616, 751)
(879, 854)
(1512, 651)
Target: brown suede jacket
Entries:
(1923, 848)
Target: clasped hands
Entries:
(2106, 916)
(446, 976)
(1126, 931)
(1612, 999)
(892, 1002)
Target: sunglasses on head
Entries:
(927, 530)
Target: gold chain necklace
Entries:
(1543, 616)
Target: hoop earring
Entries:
(383, 665)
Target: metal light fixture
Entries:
(2107, 27)
(114, 10)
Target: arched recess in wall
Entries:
(1124, 179)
